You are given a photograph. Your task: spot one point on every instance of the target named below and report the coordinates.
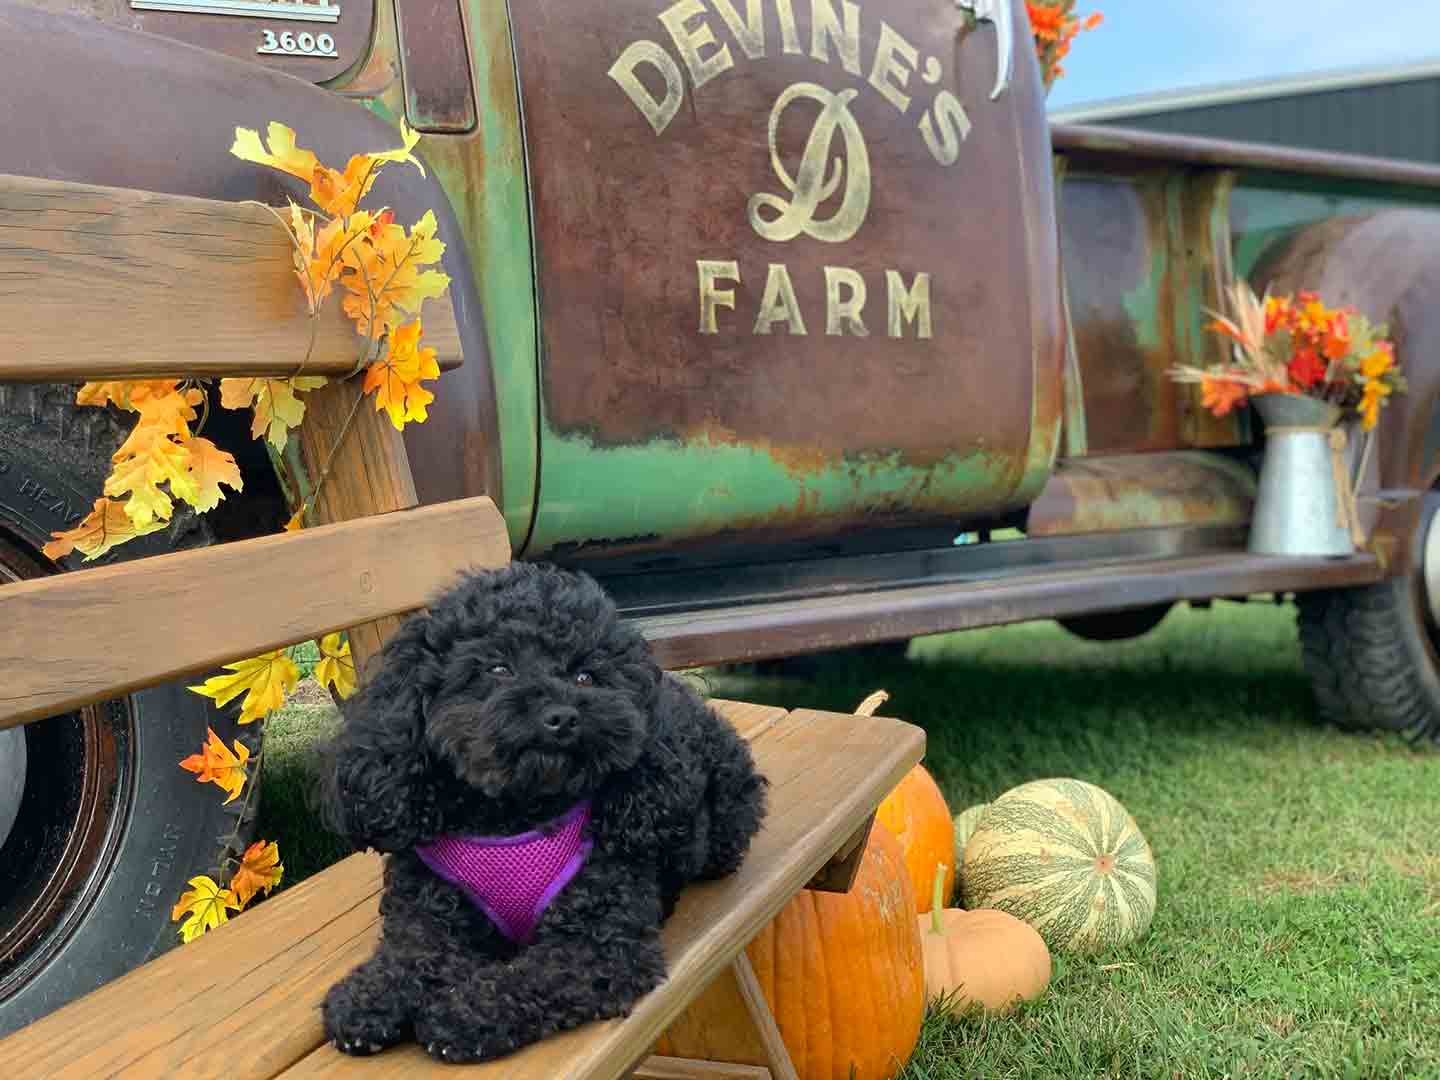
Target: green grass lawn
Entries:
(1298, 930)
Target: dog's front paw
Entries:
(456, 1034)
(362, 1027)
(357, 1047)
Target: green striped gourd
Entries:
(965, 823)
(1065, 857)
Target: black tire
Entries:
(1371, 654)
(157, 826)
(1116, 625)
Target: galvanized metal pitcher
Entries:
(1306, 502)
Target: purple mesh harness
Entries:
(513, 879)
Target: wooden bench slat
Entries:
(91, 634)
(111, 283)
(208, 982)
(243, 1000)
(828, 772)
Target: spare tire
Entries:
(108, 827)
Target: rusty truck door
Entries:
(796, 267)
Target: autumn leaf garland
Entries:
(385, 272)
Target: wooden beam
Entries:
(110, 283)
(369, 474)
(92, 634)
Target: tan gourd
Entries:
(984, 957)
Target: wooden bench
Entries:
(242, 1001)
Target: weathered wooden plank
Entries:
(87, 635)
(111, 283)
(252, 986)
(827, 773)
(669, 1068)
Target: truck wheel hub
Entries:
(1430, 558)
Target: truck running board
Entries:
(743, 632)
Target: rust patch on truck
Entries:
(801, 232)
(1142, 491)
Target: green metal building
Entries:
(1389, 112)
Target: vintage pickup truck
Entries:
(765, 308)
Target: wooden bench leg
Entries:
(736, 1024)
(838, 874)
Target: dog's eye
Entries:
(501, 671)
(584, 678)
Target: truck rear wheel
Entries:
(106, 827)
(1373, 653)
(1116, 625)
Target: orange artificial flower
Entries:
(1222, 395)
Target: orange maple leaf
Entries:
(387, 281)
(297, 520)
(215, 764)
(277, 408)
(203, 908)
(105, 527)
(317, 254)
(260, 868)
(395, 379)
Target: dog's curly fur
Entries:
(448, 737)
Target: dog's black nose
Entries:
(562, 721)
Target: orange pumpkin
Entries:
(985, 957)
(843, 974)
(916, 814)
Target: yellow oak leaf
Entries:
(277, 408)
(264, 680)
(148, 464)
(124, 395)
(209, 467)
(260, 868)
(282, 153)
(387, 281)
(163, 414)
(411, 139)
(203, 908)
(105, 527)
(395, 378)
(336, 667)
(215, 764)
(297, 520)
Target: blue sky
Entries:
(1147, 46)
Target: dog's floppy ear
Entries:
(375, 788)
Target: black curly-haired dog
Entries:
(544, 792)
